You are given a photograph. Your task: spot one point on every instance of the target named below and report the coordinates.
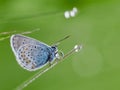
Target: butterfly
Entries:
(32, 54)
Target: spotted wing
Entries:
(19, 40)
(33, 57)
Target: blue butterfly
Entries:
(32, 54)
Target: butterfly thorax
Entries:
(53, 52)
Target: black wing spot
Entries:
(35, 46)
(37, 54)
(33, 58)
(35, 62)
(24, 59)
(28, 61)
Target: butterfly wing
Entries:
(30, 53)
(20, 40)
(33, 57)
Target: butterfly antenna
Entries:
(58, 42)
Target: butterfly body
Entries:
(30, 53)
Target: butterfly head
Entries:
(54, 48)
(58, 54)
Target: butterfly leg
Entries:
(50, 64)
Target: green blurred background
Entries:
(96, 27)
